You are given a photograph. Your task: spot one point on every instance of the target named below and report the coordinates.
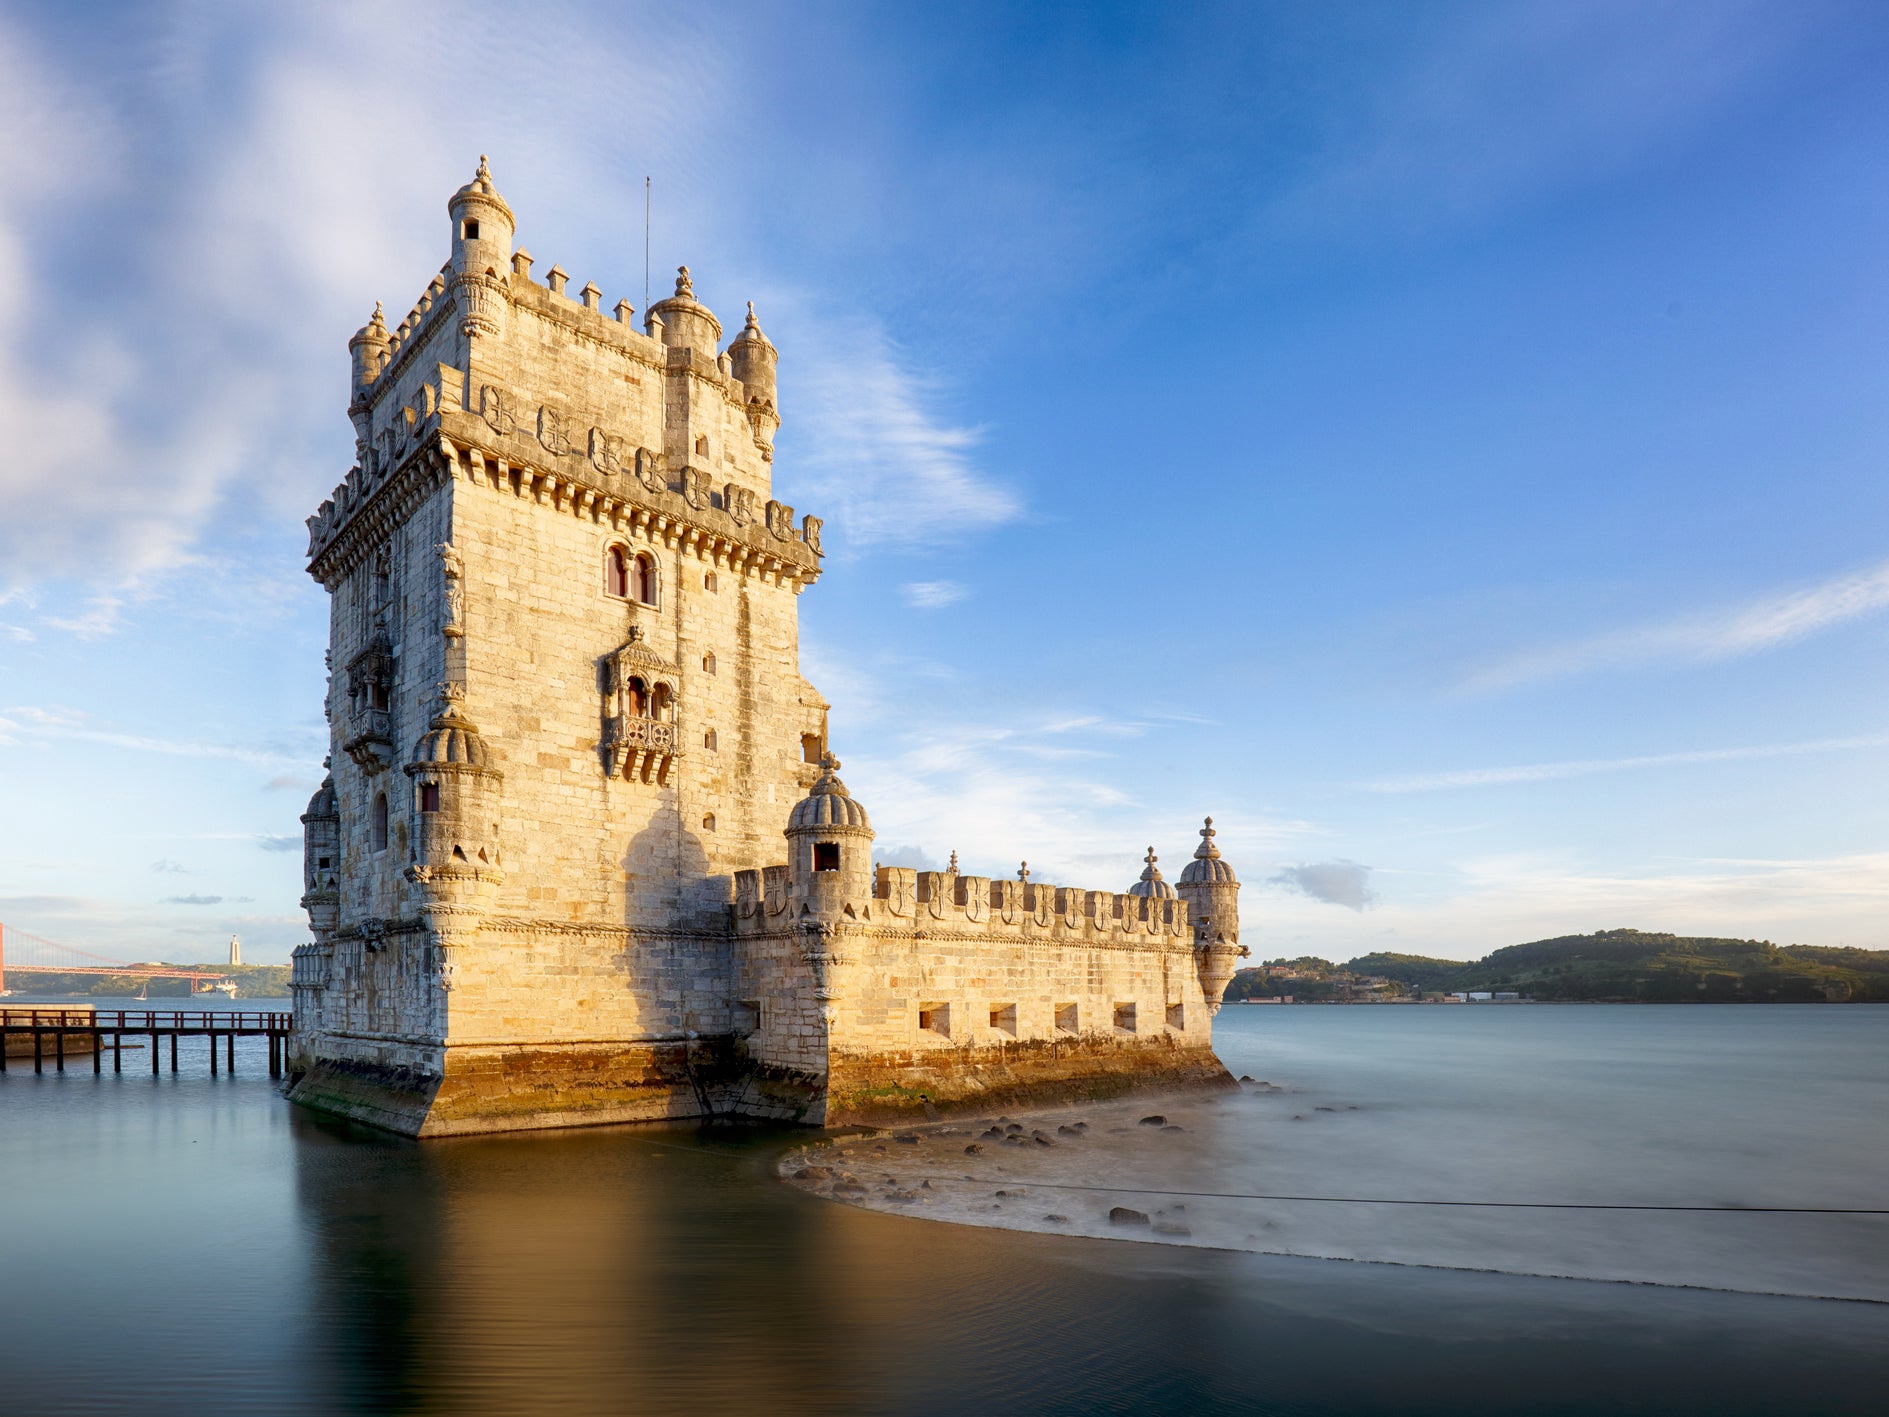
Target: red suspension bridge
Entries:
(33, 956)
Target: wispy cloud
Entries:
(279, 843)
(1731, 633)
(1343, 883)
(1543, 772)
(65, 724)
(933, 595)
(194, 900)
(164, 866)
(878, 452)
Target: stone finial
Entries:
(590, 295)
(484, 174)
(624, 311)
(1023, 873)
(685, 288)
(827, 760)
(521, 262)
(953, 867)
(752, 323)
(1206, 851)
(555, 278)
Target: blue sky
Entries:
(1444, 442)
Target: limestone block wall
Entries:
(581, 844)
(397, 588)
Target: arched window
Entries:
(701, 444)
(708, 664)
(377, 822)
(643, 579)
(636, 699)
(709, 741)
(661, 702)
(708, 822)
(616, 572)
(710, 583)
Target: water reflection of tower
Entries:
(236, 950)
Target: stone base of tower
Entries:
(885, 1088)
(459, 1091)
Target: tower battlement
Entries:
(569, 737)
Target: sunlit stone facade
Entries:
(583, 855)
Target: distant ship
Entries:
(225, 987)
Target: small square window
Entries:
(826, 856)
(1003, 1018)
(429, 797)
(935, 1018)
(1124, 1018)
(472, 231)
(1066, 1019)
(1177, 1017)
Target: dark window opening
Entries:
(936, 1018)
(321, 863)
(810, 747)
(701, 445)
(429, 797)
(643, 579)
(472, 231)
(377, 822)
(636, 699)
(826, 856)
(616, 572)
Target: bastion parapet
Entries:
(571, 745)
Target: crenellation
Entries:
(568, 725)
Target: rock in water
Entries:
(1156, 1121)
(1122, 1215)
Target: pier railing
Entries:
(98, 1030)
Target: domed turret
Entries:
(755, 360)
(369, 349)
(1212, 893)
(1207, 868)
(456, 794)
(686, 323)
(321, 858)
(830, 846)
(482, 253)
(1151, 883)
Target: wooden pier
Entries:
(106, 1030)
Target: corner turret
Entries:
(1151, 884)
(1212, 893)
(682, 322)
(753, 360)
(483, 228)
(829, 836)
(321, 859)
(456, 792)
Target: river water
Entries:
(189, 1244)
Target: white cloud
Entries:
(1543, 772)
(1343, 883)
(1730, 633)
(66, 724)
(933, 595)
(888, 467)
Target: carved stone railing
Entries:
(370, 741)
(639, 748)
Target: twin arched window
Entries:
(630, 577)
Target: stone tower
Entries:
(565, 694)
(571, 746)
(1212, 893)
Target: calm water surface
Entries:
(183, 1244)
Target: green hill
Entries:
(1616, 966)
